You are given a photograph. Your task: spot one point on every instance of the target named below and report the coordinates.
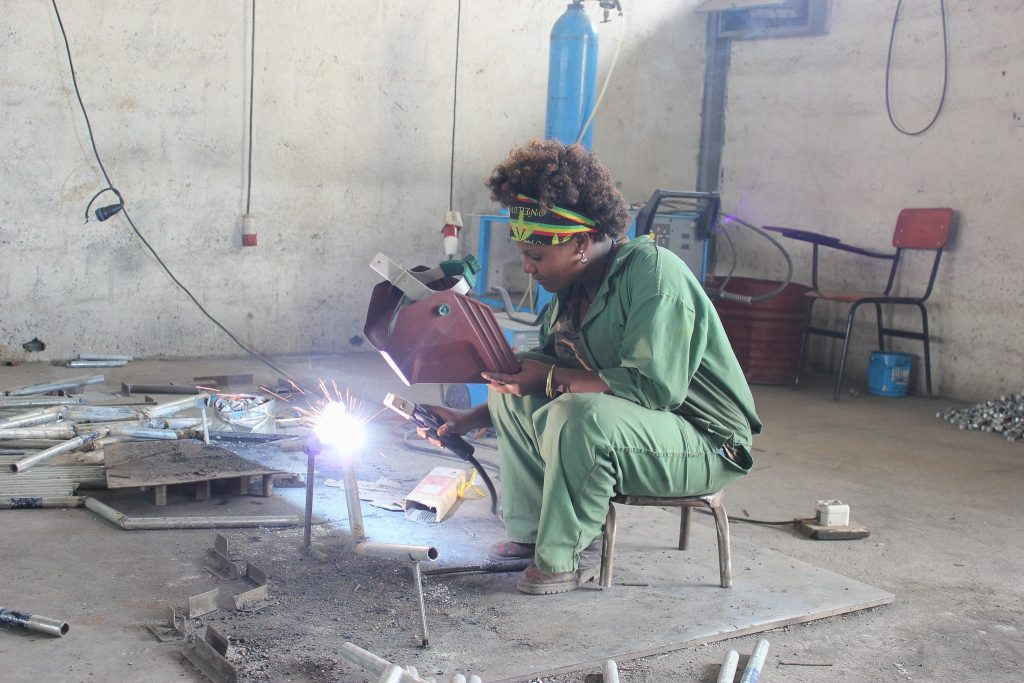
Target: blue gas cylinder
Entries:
(572, 76)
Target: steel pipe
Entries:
(609, 671)
(33, 417)
(151, 523)
(144, 433)
(727, 674)
(62, 432)
(31, 444)
(69, 383)
(104, 356)
(177, 406)
(87, 413)
(399, 551)
(752, 672)
(382, 669)
(7, 403)
(78, 363)
(355, 510)
(33, 622)
(70, 445)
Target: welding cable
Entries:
(124, 210)
(748, 520)
(719, 293)
(945, 72)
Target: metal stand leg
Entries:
(418, 580)
(310, 472)
(608, 548)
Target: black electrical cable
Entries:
(252, 82)
(945, 72)
(748, 520)
(455, 103)
(124, 211)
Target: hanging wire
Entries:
(945, 72)
(252, 81)
(455, 103)
(127, 216)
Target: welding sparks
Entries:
(338, 428)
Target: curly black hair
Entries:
(569, 176)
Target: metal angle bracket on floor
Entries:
(223, 567)
(245, 601)
(204, 603)
(209, 656)
(172, 629)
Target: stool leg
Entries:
(608, 548)
(724, 553)
(685, 517)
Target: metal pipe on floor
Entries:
(70, 445)
(307, 530)
(355, 510)
(176, 406)
(69, 383)
(398, 551)
(609, 671)
(8, 403)
(376, 665)
(153, 523)
(33, 417)
(102, 413)
(35, 502)
(62, 432)
(33, 622)
(752, 672)
(104, 356)
(418, 581)
(727, 674)
(78, 363)
(31, 444)
(145, 433)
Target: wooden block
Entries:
(159, 495)
(810, 527)
(268, 485)
(203, 490)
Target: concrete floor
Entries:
(944, 507)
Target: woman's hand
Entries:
(531, 379)
(455, 421)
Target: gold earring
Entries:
(583, 258)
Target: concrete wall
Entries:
(809, 145)
(353, 106)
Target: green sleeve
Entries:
(546, 335)
(661, 349)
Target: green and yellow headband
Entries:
(530, 222)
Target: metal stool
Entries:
(686, 505)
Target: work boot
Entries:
(537, 582)
(508, 556)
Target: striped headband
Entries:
(530, 222)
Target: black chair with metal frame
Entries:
(918, 229)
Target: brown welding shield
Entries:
(444, 338)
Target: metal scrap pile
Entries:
(1004, 415)
(64, 432)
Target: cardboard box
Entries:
(433, 497)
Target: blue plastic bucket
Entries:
(889, 373)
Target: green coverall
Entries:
(677, 397)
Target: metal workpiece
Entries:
(155, 523)
(33, 417)
(30, 444)
(145, 433)
(69, 445)
(87, 413)
(417, 578)
(609, 671)
(59, 431)
(38, 502)
(752, 672)
(355, 509)
(79, 363)
(8, 403)
(176, 422)
(379, 667)
(727, 674)
(398, 551)
(178, 405)
(69, 383)
(33, 622)
(246, 600)
(148, 423)
(130, 389)
(105, 356)
(209, 655)
(223, 566)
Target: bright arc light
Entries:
(337, 428)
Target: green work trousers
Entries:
(562, 461)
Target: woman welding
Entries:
(633, 388)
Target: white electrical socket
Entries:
(832, 513)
